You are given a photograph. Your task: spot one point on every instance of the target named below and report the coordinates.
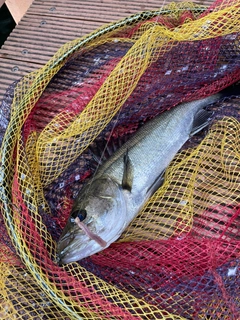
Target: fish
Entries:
(123, 184)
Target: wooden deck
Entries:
(49, 24)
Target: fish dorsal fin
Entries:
(127, 179)
(201, 120)
(102, 150)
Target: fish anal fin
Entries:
(156, 184)
(127, 179)
(201, 120)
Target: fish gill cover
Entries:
(179, 257)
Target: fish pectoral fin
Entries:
(201, 120)
(156, 184)
(127, 179)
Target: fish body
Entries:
(125, 182)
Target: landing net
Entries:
(179, 257)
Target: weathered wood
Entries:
(47, 25)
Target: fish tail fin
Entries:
(203, 117)
(201, 120)
(231, 91)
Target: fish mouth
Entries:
(77, 243)
(71, 247)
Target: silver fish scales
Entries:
(124, 183)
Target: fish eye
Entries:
(81, 214)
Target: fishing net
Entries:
(179, 258)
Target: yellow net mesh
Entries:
(178, 259)
(195, 187)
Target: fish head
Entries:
(101, 209)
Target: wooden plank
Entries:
(49, 24)
(95, 11)
(12, 71)
(105, 6)
(38, 27)
(25, 46)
